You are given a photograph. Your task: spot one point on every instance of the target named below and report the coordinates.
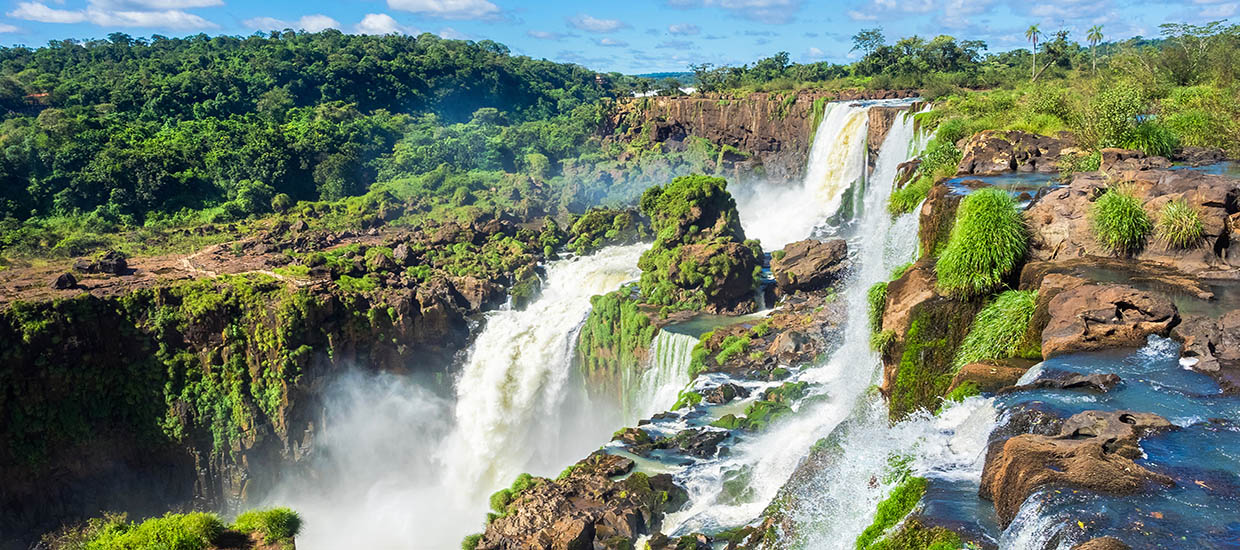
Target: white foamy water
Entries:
(879, 245)
(666, 373)
(398, 467)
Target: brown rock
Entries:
(1100, 383)
(1095, 317)
(724, 393)
(1121, 160)
(1094, 450)
(1198, 156)
(402, 254)
(809, 265)
(938, 215)
(477, 294)
(989, 378)
(64, 281)
(1104, 543)
(992, 152)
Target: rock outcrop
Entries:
(1089, 317)
(809, 265)
(585, 510)
(1094, 450)
(993, 152)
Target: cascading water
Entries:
(779, 214)
(511, 412)
(666, 373)
(880, 245)
(400, 467)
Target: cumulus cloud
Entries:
(766, 11)
(1219, 11)
(593, 24)
(815, 54)
(675, 45)
(309, 23)
(684, 29)
(611, 43)
(381, 23)
(548, 35)
(453, 34)
(448, 9)
(5, 27)
(154, 4)
(99, 15)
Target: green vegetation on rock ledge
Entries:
(1120, 222)
(192, 531)
(1001, 330)
(987, 243)
(1179, 225)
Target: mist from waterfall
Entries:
(398, 467)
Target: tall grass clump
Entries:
(1152, 139)
(987, 243)
(1119, 221)
(877, 298)
(194, 531)
(274, 524)
(1000, 330)
(1179, 225)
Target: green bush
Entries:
(882, 341)
(193, 531)
(877, 298)
(1000, 330)
(471, 542)
(987, 243)
(1071, 164)
(1179, 225)
(1152, 139)
(274, 524)
(906, 199)
(1119, 222)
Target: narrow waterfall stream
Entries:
(665, 375)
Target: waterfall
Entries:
(879, 244)
(398, 467)
(666, 373)
(778, 214)
(511, 407)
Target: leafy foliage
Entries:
(1151, 138)
(876, 297)
(988, 242)
(1119, 221)
(1179, 225)
(1001, 330)
(274, 524)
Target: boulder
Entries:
(1198, 156)
(992, 152)
(809, 265)
(64, 281)
(402, 255)
(1099, 383)
(111, 262)
(1089, 317)
(1212, 346)
(988, 377)
(476, 294)
(724, 393)
(1116, 160)
(1104, 543)
(1094, 450)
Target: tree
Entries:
(868, 40)
(1032, 34)
(1094, 37)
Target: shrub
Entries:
(500, 500)
(194, 531)
(1152, 139)
(987, 243)
(1071, 164)
(1119, 222)
(906, 199)
(471, 542)
(274, 524)
(881, 341)
(877, 297)
(1000, 330)
(1179, 225)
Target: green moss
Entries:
(471, 542)
(613, 341)
(987, 243)
(687, 399)
(907, 198)
(1001, 330)
(1179, 225)
(1119, 221)
(881, 341)
(732, 346)
(964, 391)
(876, 297)
(898, 504)
(925, 371)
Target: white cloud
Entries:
(611, 43)
(448, 9)
(382, 23)
(547, 35)
(309, 23)
(684, 29)
(152, 4)
(35, 11)
(1220, 11)
(453, 34)
(97, 14)
(594, 24)
(862, 16)
(815, 54)
(5, 27)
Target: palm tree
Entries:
(1032, 34)
(1094, 36)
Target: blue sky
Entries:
(634, 36)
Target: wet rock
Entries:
(1120, 160)
(1198, 156)
(1100, 383)
(809, 265)
(696, 541)
(402, 255)
(632, 437)
(988, 377)
(1086, 317)
(111, 262)
(992, 152)
(937, 216)
(299, 226)
(1094, 450)
(64, 281)
(699, 442)
(585, 509)
(1104, 543)
(724, 393)
(477, 294)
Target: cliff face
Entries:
(762, 134)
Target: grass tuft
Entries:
(1119, 221)
(1000, 329)
(877, 297)
(987, 243)
(1179, 225)
(275, 524)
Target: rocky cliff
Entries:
(770, 133)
